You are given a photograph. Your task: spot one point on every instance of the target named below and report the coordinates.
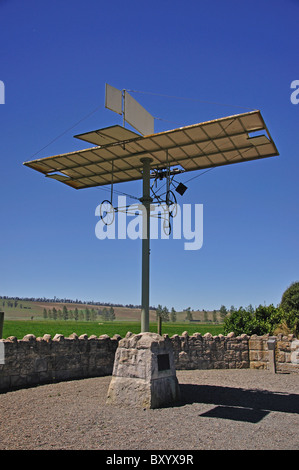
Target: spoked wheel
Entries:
(167, 226)
(107, 212)
(171, 203)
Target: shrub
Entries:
(267, 319)
(260, 321)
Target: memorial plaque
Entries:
(163, 362)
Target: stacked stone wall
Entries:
(33, 361)
(210, 352)
(259, 353)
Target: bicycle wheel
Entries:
(166, 226)
(171, 203)
(107, 212)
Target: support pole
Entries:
(146, 201)
(160, 325)
(112, 182)
(271, 348)
(1, 324)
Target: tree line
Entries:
(69, 301)
(165, 315)
(13, 304)
(171, 315)
(87, 314)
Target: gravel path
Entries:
(219, 409)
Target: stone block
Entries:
(258, 365)
(41, 364)
(18, 380)
(144, 372)
(256, 344)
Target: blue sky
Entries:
(55, 60)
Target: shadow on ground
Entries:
(237, 403)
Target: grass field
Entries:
(24, 317)
(29, 310)
(20, 328)
(33, 311)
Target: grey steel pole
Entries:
(159, 325)
(146, 201)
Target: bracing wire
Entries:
(213, 167)
(104, 188)
(167, 120)
(190, 99)
(67, 130)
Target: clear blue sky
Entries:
(55, 60)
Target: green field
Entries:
(34, 311)
(20, 328)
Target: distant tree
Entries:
(105, 314)
(65, 313)
(173, 315)
(214, 316)
(159, 311)
(59, 314)
(111, 314)
(232, 309)
(165, 314)
(87, 314)
(45, 313)
(54, 316)
(188, 314)
(81, 315)
(223, 311)
(205, 316)
(76, 314)
(93, 315)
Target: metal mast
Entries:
(146, 201)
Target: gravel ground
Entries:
(219, 409)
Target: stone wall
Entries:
(211, 352)
(258, 351)
(32, 361)
(232, 352)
